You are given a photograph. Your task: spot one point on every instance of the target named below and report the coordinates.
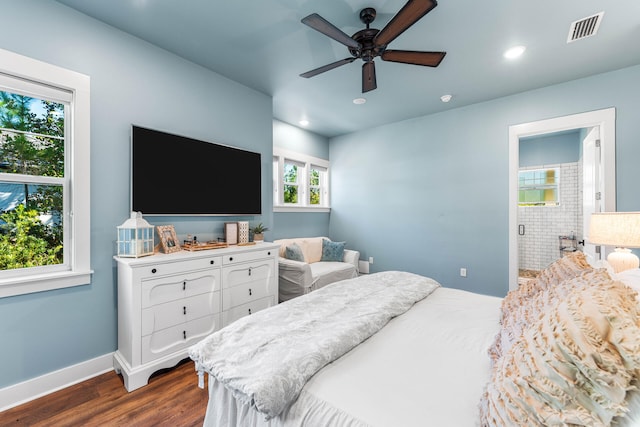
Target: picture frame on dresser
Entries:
(168, 239)
(231, 233)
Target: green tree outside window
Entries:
(31, 143)
(314, 187)
(291, 183)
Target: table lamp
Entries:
(619, 229)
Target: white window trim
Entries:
(79, 272)
(303, 182)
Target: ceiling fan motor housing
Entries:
(369, 50)
(370, 43)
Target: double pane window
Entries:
(44, 176)
(32, 181)
(538, 187)
(300, 182)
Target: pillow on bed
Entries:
(294, 252)
(574, 363)
(519, 307)
(567, 267)
(630, 278)
(332, 251)
(564, 268)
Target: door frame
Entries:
(606, 120)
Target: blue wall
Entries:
(562, 147)
(131, 82)
(430, 195)
(300, 224)
(295, 139)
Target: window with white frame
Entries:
(539, 187)
(300, 182)
(44, 176)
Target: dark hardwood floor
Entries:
(172, 398)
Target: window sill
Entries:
(43, 282)
(301, 209)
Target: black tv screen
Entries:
(175, 175)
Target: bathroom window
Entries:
(539, 187)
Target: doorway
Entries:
(597, 127)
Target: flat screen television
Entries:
(174, 175)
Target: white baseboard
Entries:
(26, 391)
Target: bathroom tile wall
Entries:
(540, 245)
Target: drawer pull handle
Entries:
(269, 253)
(249, 271)
(230, 258)
(212, 262)
(184, 310)
(184, 334)
(153, 271)
(249, 311)
(184, 286)
(250, 291)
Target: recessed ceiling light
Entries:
(304, 122)
(514, 52)
(445, 98)
(359, 101)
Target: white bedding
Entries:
(426, 367)
(267, 358)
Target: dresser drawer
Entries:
(249, 272)
(169, 268)
(178, 312)
(246, 292)
(248, 256)
(236, 313)
(167, 341)
(165, 289)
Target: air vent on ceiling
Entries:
(585, 27)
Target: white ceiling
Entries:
(262, 44)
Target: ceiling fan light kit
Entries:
(370, 43)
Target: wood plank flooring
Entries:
(172, 398)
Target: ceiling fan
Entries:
(369, 43)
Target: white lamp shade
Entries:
(620, 229)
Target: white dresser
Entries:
(168, 302)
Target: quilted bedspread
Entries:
(266, 359)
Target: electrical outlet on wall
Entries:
(463, 272)
(370, 260)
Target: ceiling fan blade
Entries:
(320, 24)
(327, 67)
(429, 59)
(406, 17)
(368, 76)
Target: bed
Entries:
(435, 361)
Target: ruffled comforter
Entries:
(266, 359)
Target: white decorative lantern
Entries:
(135, 237)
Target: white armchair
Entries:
(301, 277)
